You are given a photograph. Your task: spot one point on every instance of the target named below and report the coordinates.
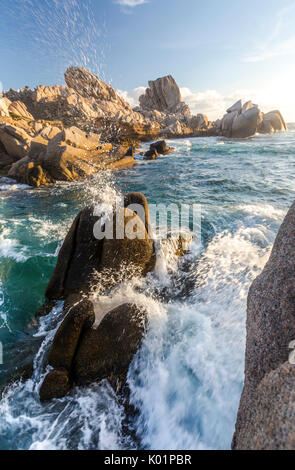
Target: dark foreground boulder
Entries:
(55, 385)
(81, 354)
(267, 409)
(106, 352)
(82, 255)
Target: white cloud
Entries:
(131, 3)
(132, 97)
(214, 104)
(1, 88)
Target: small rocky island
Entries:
(66, 133)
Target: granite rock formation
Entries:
(267, 408)
(84, 348)
(246, 120)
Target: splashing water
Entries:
(188, 375)
(66, 30)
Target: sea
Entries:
(186, 380)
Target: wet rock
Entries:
(266, 413)
(151, 155)
(78, 260)
(55, 385)
(28, 172)
(131, 200)
(161, 147)
(107, 352)
(82, 255)
(79, 318)
(134, 248)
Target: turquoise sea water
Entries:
(191, 363)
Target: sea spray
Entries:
(187, 377)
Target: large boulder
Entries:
(107, 351)
(89, 86)
(246, 120)
(236, 107)
(82, 255)
(119, 253)
(53, 154)
(163, 95)
(79, 318)
(247, 123)
(56, 384)
(78, 260)
(161, 147)
(266, 413)
(273, 122)
(198, 122)
(15, 140)
(82, 354)
(19, 109)
(4, 106)
(26, 171)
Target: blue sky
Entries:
(217, 51)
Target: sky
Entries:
(217, 51)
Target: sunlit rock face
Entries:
(163, 95)
(242, 121)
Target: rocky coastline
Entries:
(67, 133)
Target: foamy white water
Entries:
(188, 375)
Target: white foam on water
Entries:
(47, 230)
(266, 211)
(89, 418)
(10, 248)
(8, 184)
(192, 361)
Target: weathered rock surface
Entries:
(161, 147)
(19, 109)
(157, 148)
(266, 414)
(81, 354)
(42, 154)
(273, 122)
(73, 275)
(247, 123)
(246, 120)
(163, 95)
(4, 106)
(55, 385)
(107, 352)
(88, 107)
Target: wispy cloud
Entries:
(131, 3)
(274, 46)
